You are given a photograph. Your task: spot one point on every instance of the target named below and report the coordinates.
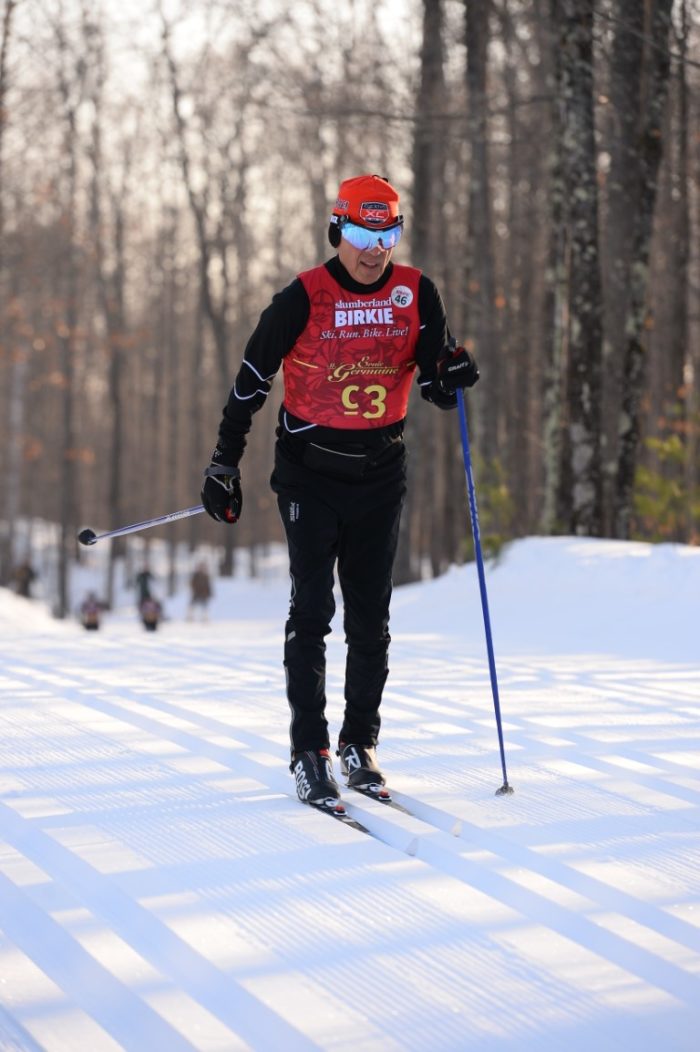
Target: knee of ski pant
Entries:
(301, 630)
(312, 616)
(366, 634)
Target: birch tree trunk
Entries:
(556, 331)
(652, 101)
(622, 193)
(676, 386)
(584, 366)
(680, 384)
(481, 283)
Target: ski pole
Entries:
(90, 537)
(505, 788)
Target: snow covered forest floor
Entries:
(162, 890)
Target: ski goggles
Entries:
(363, 239)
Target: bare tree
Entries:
(214, 307)
(676, 383)
(480, 266)
(582, 447)
(651, 76)
(216, 183)
(19, 361)
(110, 277)
(428, 156)
(7, 14)
(71, 74)
(522, 181)
(555, 308)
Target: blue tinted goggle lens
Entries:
(362, 238)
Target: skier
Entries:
(150, 612)
(349, 335)
(24, 576)
(143, 584)
(200, 593)
(90, 612)
(149, 607)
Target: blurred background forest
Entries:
(166, 165)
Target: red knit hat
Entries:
(368, 200)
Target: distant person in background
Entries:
(143, 585)
(200, 593)
(91, 612)
(151, 613)
(24, 576)
(350, 336)
(150, 609)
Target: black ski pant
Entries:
(352, 523)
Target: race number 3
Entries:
(377, 400)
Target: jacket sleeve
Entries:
(278, 329)
(432, 343)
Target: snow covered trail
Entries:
(162, 889)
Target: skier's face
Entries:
(364, 265)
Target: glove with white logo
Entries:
(221, 492)
(457, 368)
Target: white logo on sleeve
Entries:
(401, 296)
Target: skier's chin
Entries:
(369, 272)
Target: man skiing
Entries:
(349, 334)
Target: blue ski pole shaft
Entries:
(505, 788)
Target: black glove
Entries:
(221, 493)
(457, 368)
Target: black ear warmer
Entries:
(334, 234)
